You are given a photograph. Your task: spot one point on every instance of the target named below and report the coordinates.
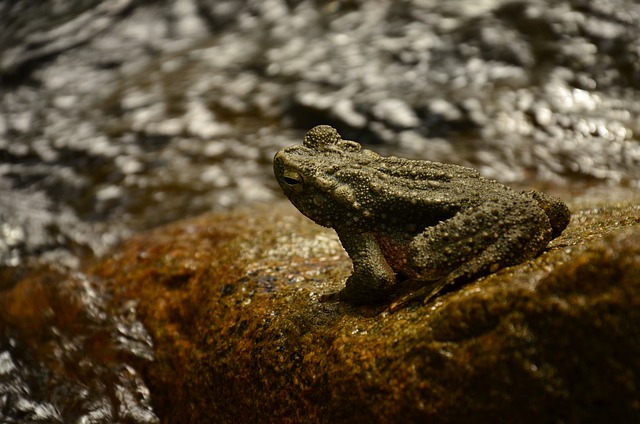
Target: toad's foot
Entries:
(425, 294)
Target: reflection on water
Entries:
(98, 141)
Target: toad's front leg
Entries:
(372, 279)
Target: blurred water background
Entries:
(117, 116)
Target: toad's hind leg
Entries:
(480, 240)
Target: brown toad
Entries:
(427, 221)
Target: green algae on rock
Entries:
(240, 334)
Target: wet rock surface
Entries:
(232, 302)
(67, 356)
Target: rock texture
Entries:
(232, 303)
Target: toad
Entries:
(401, 219)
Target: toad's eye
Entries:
(293, 180)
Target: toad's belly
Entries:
(395, 251)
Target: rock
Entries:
(232, 303)
(64, 358)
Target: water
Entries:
(117, 116)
